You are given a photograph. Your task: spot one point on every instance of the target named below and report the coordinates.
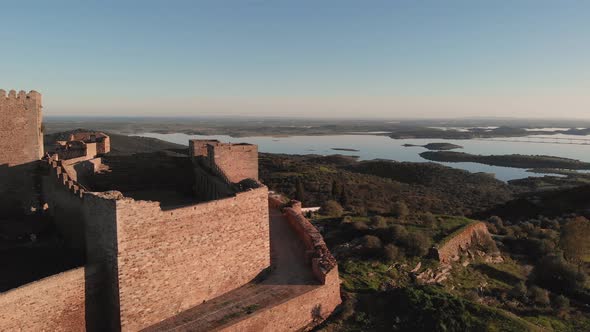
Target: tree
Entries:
(429, 220)
(378, 222)
(398, 233)
(299, 190)
(519, 291)
(539, 295)
(400, 210)
(561, 304)
(574, 240)
(391, 252)
(332, 209)
(417, 244)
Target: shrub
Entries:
(332, 209)
(347, 220)
(379, 222)
(429, 220)
(371, 245)
(556, 274)
(539, 296)
(519, 291)
(497, 221)
(400, 210)
(561, 304)
(398, 233)
(371, 242)
(417, 244)
(359, 226)
(391, 252)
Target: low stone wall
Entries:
(322, 261)
(56, 303)
(468, 236)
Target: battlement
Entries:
(21, 97)
(234, 162)
(58, 171)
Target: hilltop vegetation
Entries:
(373, 186)
(381, 218)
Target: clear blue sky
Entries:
(308, 58)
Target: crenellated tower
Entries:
(21, 147)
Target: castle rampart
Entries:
(206, 250)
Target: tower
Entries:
(21, 147)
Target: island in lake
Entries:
(513, 160)
(345, 149)
(436, 146)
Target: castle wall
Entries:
(236, 161)
(308, 309)
(170, 261)
(55, 303)
(21, 145)
(65, 205)
(470, 235)
(294, 314)
(100, 215)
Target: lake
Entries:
(382, 147)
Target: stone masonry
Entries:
(156, 267)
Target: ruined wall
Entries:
(236, 161)
(21, 145)
(56, 303)
(468, 236)
(170, 261)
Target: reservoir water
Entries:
(382, 147)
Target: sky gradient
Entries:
(387, 59)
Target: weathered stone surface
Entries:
(56, 303)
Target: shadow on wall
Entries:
(148, 176)
(19, 188)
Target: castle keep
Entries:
(171, 241)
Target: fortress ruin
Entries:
(170, 241)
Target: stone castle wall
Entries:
(236, 161)
(295, 314)
(311, 308)
(56, 303)
(468, 236)
(170, 261)
(63, 195)
(21, 146)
